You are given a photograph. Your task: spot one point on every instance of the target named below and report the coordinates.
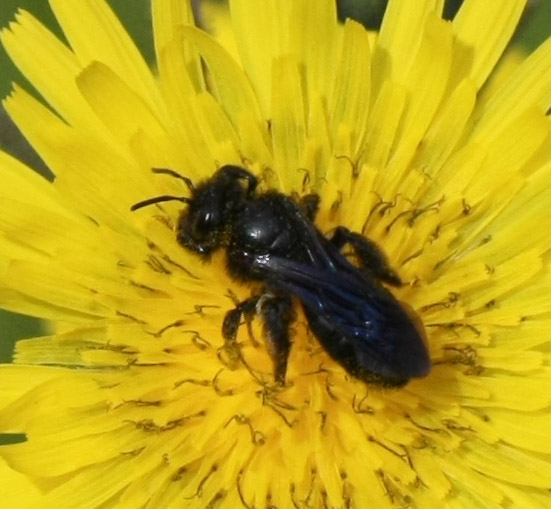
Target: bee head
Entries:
(204, 223)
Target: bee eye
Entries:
(203, 224)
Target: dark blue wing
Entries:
(357, 320)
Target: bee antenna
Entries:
(159, 199)
(175, 174)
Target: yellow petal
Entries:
(105, 40)
(350, 96)
(528, 431)
(279, 29)
(447, 128)
(88, 191)
(231, 86)
(508, 464)
(288, 121)
(17, 381)
(32, 47)
(432, 58)
(472, 31)
(17, 489)
(383, 124)
(169, 16)
(528, 87)
(400, 38)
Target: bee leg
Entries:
(310, 204)
(370, 256)
(278, 314)
(232, 320)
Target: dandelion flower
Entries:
(131, 401)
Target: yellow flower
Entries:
(133, 401)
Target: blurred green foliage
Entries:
(535, 27)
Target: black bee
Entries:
(270, 238)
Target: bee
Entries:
(270, 239)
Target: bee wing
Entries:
(356, 315)
(350, 300)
